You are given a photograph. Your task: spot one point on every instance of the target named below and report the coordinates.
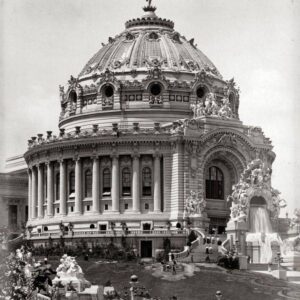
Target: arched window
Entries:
(106, 182)
(57, 186)
(73, 97)
(126, 182)
(88, 183)
(214, 183)
(147, 181)
(72, 184)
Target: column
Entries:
(50, 189)
(157, 188)
(62, 187)
(115, 184)
(78, 186)
(41, 191)
(34, 193)
(96, 185)
(135, 183)
(29, 194)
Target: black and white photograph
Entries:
(149, 149)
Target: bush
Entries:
(192, 236)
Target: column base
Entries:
(114, 212)
(95, 213)
(135, 212)
(156, 212)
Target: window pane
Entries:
(72, 182)
(147, 181)
(215, 184)
(88, 183)
(106, 181)
(126, 182)
(57, 187)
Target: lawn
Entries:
(202, 285)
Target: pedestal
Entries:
(236, 231)
(280, 274)
(243, 262)
(199, 221)
(292, 261)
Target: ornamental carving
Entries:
(155, 73)
(211, 108)
(155, 100)
(194, 204)
(254, 181)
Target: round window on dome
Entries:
(108, 91)
(200, 92)
(155, 89)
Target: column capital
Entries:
(157, 155)
(95, 157)
(48, 162)
(61, 160)
(135, 156)
(76, 158)
(114, 156)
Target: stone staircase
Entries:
(197, 251)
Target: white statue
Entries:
(225, 111)
(194, 204)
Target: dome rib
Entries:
(136, 47)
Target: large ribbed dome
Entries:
(149, 41)
(147, 74)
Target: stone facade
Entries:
(147, 121)
(13, 201)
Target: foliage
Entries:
(192, 236)
(16, 279)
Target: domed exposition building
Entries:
(149, 142)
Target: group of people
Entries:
(229, 261)
(169, 266)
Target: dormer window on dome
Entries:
(108, 91)
(156, 89)
(201, 91)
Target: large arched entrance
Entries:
(221, 171)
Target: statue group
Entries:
(194, 205)
(210, 107)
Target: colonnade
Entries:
(37, 196)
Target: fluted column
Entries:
(96, 185)
(29, 194)
(34, 193)
(78, 186)
(135, 183)
(62, 187)
(50, 189)
(115, 184)
(157, 184)
(41, 195)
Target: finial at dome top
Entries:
(149, 7)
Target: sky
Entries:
(257, 42)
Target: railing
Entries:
(223, 248)
(187, 249)
(109, 233)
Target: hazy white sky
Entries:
(257, 42)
